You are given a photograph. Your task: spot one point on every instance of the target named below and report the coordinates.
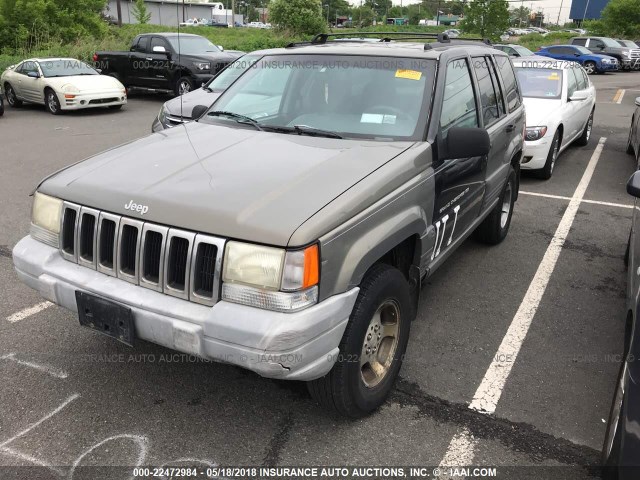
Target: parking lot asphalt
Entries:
(71, 397)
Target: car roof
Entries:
(170, 34)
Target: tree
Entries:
(140, 12)
(362, 16)
(622, 18)
(299, 17)
(520, 16)
(489, 18)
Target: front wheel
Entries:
(546, 171)
(590, 67)
(52, 103)
(183, 85)
(372, 347)
(495, 227)
(630, 138)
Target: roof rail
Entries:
(323, 38)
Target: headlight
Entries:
(45, 219)
(162, 117)
(270, 278)
(535, 133)
(627, 53)
(202, 65)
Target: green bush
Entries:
(298, 17)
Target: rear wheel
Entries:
(51, 102)
(372, 347)
(586, 133)
(590, 67)
(12, 98)
(613, 435)
(495, 227)
(630, 138)
(546, 171)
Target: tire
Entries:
(590, 67)
(352, 388)
(629, 145)
(12, 99)
(183, 85)
(51, 102)
(627, 252)
(552, 157)
(613, 435)
(1, 106)
(495, 227)
(586, 133)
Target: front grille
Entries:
(635, 53)
(100, 101)
(172, 261)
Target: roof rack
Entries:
(322, 38)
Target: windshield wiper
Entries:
(239, 118)
(307, 130)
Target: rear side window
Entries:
(487, 91)
(572, 84)
(583, 81)
(511, 90)
(459, 102)
(579, 41)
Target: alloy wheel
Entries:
(52, 102)
(506, 206)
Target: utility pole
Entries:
(119, 9)
(559, 12)
(233, 13)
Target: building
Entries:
(171, 13)
(586, 9)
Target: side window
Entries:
(486, 91)
(459, 102)
(511, 89)
(143, 45)
(583, 83)
(28, 67)
(594, 43)
(565, 50)
(20, 69)
(554, 50)
(579, 41)
(158, 42)
(572, 86)
(496, 85)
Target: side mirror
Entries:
(221, 48)
(638, 101)
(633, 185)
(33, 75)
(579, 96)
(159, 49)
(198, 111)
(577, 54)
(466, 143)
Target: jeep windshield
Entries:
(381, 98)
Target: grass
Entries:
(245, 39)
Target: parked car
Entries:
(61, 84)
(214, 23)
(165, 62)
(591, 62)
(191, 22)
(514, 50)
(622, 438)
(628, 58)
(633, 141)
(627, 44)
(453, 32)
(560, 102)
(288, 229)
(179, 110)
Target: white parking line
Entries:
(49, 370)
(592, 202)
(490, 390)
(460, 451)
(28, 312)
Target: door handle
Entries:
(510, 128)
(149, 59)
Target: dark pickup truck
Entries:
(165, 62)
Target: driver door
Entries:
(31, 89)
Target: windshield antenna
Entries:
(179, 59)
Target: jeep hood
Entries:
(231, 182)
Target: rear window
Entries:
(509, 79)
(579, 41)
(540, 82)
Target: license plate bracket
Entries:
(107, 317)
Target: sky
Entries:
(549, 7)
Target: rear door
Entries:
(137, 63)
(574, 119)
(459, 183)
(494, 119)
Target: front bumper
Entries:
(536, 152)
(295, 346)
(93, 100)
(608, 67)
